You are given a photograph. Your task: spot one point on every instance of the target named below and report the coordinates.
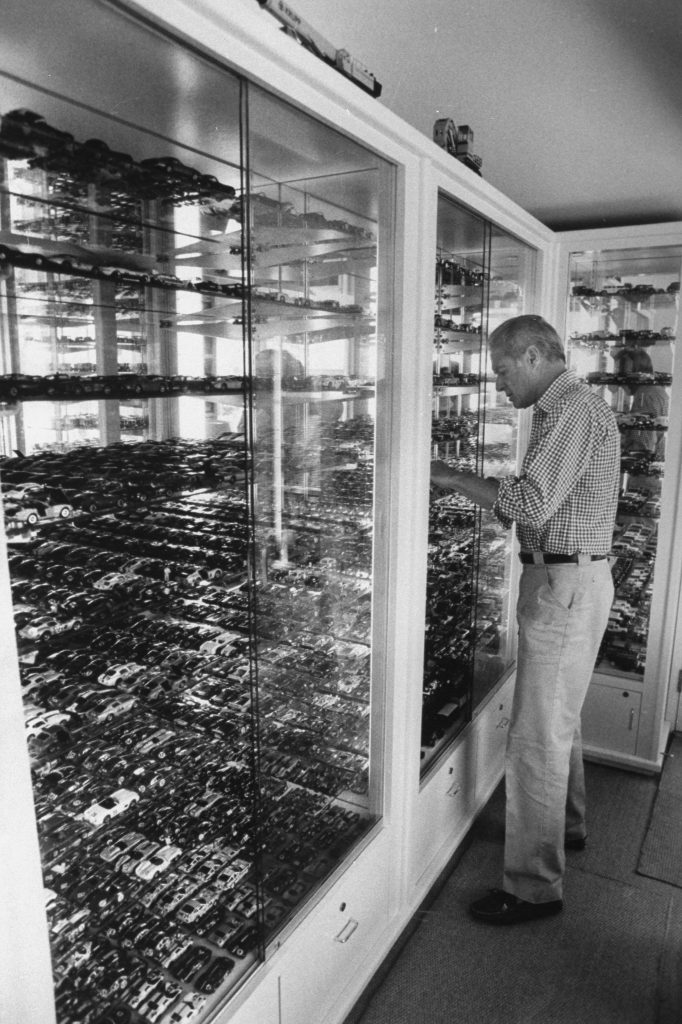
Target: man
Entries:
(564, 506)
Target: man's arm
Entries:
(476, 488)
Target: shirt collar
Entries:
(559, 387)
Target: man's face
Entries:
(516, 378)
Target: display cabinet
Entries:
(622, 324)
(483, 276)
(217, 406)
(189, 365)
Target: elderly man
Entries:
(563, 504)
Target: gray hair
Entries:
(520, 332)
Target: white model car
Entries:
(117, 674)
(153, 865)
(114, 579)
(43, 721)
(110, 806)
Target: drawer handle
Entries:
(503, 723)
(347, 930)
(632, 719)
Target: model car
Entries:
(187, 1010)
(157, 1002)
(114, 579)
(38, 723)
(198, 906)
(213, 975)
(17, 514)
(172, 898)
(157, 862)
(145, 988)
(111, 806)
(118, 845)
(47, 626)
(189, 963)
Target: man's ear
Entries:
(532, 355)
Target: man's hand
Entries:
(483, 492)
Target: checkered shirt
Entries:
(565, 499)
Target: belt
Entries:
(549, 558)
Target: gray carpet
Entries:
(614, 956)
(661, 855)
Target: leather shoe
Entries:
(500, 907)
(579, 843)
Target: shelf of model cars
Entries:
(606, 340)
(637, 294)
(445, 390)
(465, 343)
(66, 387)
(70, 255)
(67, 266)
(608, 379)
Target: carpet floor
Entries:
(614, 956)
(661, 855)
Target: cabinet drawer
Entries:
(610, 719)
(444, 809)
(340, 939)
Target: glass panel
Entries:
(319, 207)
(483, 277)
(127, 513)
(511, 292)
(460, 321)
(622, 324)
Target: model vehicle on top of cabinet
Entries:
(188, 369)
(483, 276)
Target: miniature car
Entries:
(189, 963)
(111, 806)
(120, 844)
(212, 976)
(187, 1010)
(40, 723)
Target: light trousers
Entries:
(562, 614)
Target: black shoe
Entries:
(579, 843)
(500, 907)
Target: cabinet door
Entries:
(483, 277)
(611, 718)
(319, 211)
(458, 356)
(623, 317)
(126, 508)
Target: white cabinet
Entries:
(611, 718)
(444, 810)
(618, 305)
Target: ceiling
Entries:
(576, 106)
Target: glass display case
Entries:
(622, 325)
(192, 341)
(483, 276)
